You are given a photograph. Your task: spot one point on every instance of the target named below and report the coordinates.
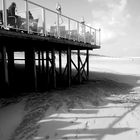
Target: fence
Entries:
(32, 17)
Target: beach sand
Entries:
(105, 108)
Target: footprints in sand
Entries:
(137, 132)
(74, 120)
(47, 137)
(64, 138)
(86, 126)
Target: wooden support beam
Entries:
(39, 63)
(60, 62)
(42, 54)
(69, 66)
(87, 64)
(30, 68)
(65, 69)
(5, 77)
(74, 64)
(47, 70)
(11, 66)
(60, 77)
(82, 69)
(82, 64)
(79, 74)
(53, 68)
(42, 81)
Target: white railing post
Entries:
(27, 15)
(83, 31)
(4, 13)
(58, 29)
(84, 26)
(44, 21)
(95, 37)
(77, 31)
(90, 35)
(99, 37)
(69, 28)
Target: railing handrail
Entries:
(60, 14)
(84, 32)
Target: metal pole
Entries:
(95, 37)
(44, 21)
(78, 31)
(90, 35)
(99, 37)
(58, 30)
(84, 33)
(27, 15)
(69, 27)
(4, 13)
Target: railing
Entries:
(48, 22)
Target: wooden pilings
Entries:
(11, 67)
(60, 62)
(79, 73)
(87, 55)
(4, 68)
(69, 67)
(41, 69)
(30, 68)
(53, 69)
(47, 70)
(82, 67)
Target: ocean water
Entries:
(124, 65)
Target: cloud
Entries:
(90, 0)
(112, 17)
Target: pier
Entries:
(47, 49)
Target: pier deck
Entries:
(47, 60)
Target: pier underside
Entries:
(48, 62)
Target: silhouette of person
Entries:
(12, 18)
(12, 9)
(30, 15)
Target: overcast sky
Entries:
(119, 21)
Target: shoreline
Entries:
(130, 79)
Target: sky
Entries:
(119, 21)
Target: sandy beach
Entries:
(105, 108)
